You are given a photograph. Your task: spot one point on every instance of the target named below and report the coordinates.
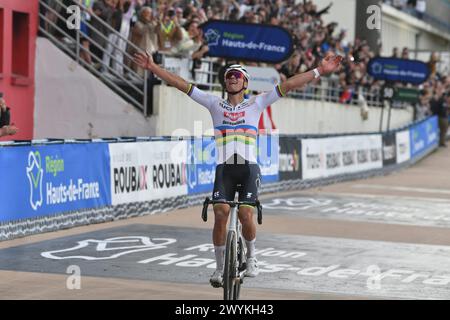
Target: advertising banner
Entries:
(179, 66)
(147, 171)
(290, 158)
(389, 149)
(44, 180)
(263, 79)
(268, 157)
(201, 162)
(403, 146)
(410, 95)
(424, 136)
(245, 41)
(393, 69)
(339, 155)
(313, 159)
(201, 165)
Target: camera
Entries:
(171, 13)
(157, 58)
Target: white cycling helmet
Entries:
(239, 68)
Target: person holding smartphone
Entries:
(5, 117)
(169, 31)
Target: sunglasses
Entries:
(236, 74)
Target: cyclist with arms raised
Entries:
(235, 121)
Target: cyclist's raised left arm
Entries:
(328, 65)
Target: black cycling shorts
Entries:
(242, 178)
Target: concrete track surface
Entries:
(380, 238)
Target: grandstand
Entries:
(76, 59)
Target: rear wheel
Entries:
(229, 273)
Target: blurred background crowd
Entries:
(173, 27)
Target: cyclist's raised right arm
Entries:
(146, 61)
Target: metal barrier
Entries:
(51, 222)
(329, 90)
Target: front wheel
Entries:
(229, 273)
(240, 266)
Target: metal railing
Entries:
(328, 90)
(425, 17)
(133, 88)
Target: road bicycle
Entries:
(235, 250)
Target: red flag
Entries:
(266, 120)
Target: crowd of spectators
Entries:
(172, 27)
(416, 8)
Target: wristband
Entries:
(316, 73)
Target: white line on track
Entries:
(399, 188)
(376, 196)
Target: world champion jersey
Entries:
(235, 128)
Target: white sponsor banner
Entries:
(179, 66)
(403, 146)
(340, 155)
(262, 79)
(374, 144)
(147, 171)
(313, 159)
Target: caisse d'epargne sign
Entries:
(247, 41)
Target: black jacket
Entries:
(439, 107)
(5, 117)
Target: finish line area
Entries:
(380, 238)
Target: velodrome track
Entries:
(322, 243)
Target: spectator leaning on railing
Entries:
(439, 106)
(144, 36)
(5, 128)
(292, 67)
(115, 45)
(191, 41)
(103, 12)
(127, 7)
(413, 7)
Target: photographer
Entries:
(169, 31)
(5, 116)
(439, 107)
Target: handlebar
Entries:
(232, 204)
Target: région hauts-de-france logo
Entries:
(35, 174)
(212, 37)
(377, 68)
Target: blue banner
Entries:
(268, 157)
(424, 136)
(201, 165)
(245, 41)
(393, 69)
(44, 180)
